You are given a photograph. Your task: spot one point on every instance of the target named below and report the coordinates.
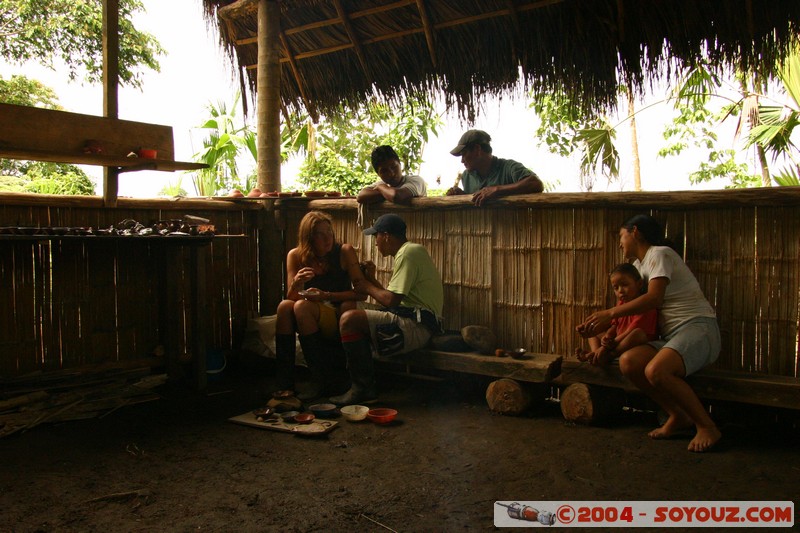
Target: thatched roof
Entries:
(347, 51)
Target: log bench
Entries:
(710, 384)
(511, 394)
(536, 368)
(36, 134)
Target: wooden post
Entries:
(110, 89)
(268, 96)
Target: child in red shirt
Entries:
(624, 332)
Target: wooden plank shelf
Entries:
(125, 164)
(35, 134)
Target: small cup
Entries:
(147, 153)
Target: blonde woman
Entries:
(320, 274)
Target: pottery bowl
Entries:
(354, 413)
(382, 415)
(323, 410)
(304, 418)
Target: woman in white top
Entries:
(690, 336)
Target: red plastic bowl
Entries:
(382, 415)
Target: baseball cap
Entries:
(471, 137)
(388, 223)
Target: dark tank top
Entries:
(335, 279)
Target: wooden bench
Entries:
(36, 134)
(709, 384)
(536, 368)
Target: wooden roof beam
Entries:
(312, 109)
(332, 22)
(426, 24)
(395, 35)
(351, 34)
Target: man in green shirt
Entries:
(486, 176)
(412, 307)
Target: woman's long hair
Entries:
(305, 234)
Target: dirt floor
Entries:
(177, 464)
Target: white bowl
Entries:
(354, 413)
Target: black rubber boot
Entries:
(362, 374)
(318, 361)
(285, 353)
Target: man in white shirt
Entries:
(393, 186)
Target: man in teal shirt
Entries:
(412, 307)
(486, 176)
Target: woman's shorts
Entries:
(697, 341)
(328, 321)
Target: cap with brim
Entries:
(388, 223)
(471, 137)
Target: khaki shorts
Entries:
(415, 335)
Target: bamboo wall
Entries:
(531, 267)
(73, 302)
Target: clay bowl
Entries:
(304, 418)
(323, 410)
(354, 413)
(382, 415)
(288, 416)
(263, 413)
(282, 394)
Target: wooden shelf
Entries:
(125, 164)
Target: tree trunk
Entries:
(268, 97)
(637, 168)
(766, 181)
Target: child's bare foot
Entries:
(705, 439)
(581, 355)
(673, 425)
(602, 359)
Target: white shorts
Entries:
(415, 335)
(696, 340)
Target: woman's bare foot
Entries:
(705, 439)
(674, 424)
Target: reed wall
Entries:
(77, 302)
(532, 267)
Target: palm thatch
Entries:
(347, 51)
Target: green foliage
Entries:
(49, 178)
(777, 123)
(173, 189)
(695, 126)
(225, 141)
(328, 172)
(339, 148)
(21, 90)
(566, 131)
(71, 31)
(788, 177)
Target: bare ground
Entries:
(177, 464)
